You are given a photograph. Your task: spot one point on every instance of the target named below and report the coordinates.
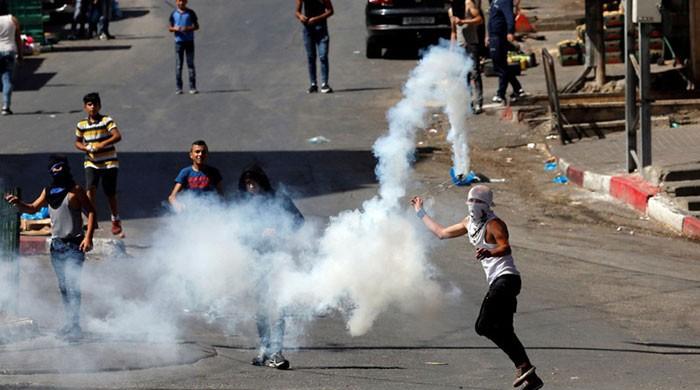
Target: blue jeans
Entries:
(105, 10)
(498, 49)
(316, 41)
(67, 260)
(476, 92)
(185, 50)
(7, 67)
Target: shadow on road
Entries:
(27, 77)
(145, 179)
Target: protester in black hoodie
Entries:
(254, 185)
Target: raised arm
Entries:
(441, 232)
(23, 207)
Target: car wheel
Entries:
(373, 50)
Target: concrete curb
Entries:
(638, 193)
(40, 245)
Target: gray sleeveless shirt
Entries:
(66, 223)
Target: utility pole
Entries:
(630, 91)
(643, 13)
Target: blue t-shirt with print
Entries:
(186, 18)
(204, 180)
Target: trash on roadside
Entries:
(551, 159)
(319, 139)
(561, 179)
(433, 131)
(462, 180)
(674, 124)
(509, 159)
(497, 180)
(436, 363)
(421, 143)
(550, 166)
(531, 145)
(356, 52)
(553, 136)
(435, 116)
(43, 213)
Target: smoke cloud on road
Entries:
(235, 261)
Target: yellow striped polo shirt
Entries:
(92, 133)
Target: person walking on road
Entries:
(66, 201)
(199, 178)
(183, 24)
(489, 235)
(313, 15)
(104, 10)
(501, 30)
(10, 53)
(96, 135)
(468, 31)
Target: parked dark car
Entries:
(402, 22)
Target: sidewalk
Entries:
(600, 165)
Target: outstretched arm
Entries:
(23, 207)
(441, 232)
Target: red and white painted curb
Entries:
(638, 193)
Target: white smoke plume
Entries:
(236, 261)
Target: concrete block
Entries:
(33, 245)
(596, 182)
(632, 190)
(662, 209)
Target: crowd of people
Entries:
(91, 19)
(97, 135)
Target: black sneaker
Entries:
(523, 373)
(325, 88)
(6, 111)
(533, 383)
(259, 360)
(312, 89)
(278, 361)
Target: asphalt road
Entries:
(610, 301)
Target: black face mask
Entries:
(61, 183)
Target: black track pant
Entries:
(496, 317)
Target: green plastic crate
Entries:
(30, 16)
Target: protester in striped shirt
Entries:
(96, 136)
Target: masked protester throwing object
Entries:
(69, 244)
(489, 235)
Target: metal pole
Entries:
(9, 252)
(644, 88)
(630, 90)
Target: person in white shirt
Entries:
(10, 53)
(489, 235)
